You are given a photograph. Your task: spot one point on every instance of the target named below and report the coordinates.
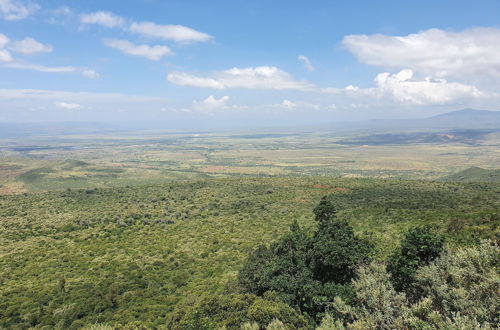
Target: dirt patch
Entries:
(5, 190)
(320, 186)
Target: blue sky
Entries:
(246, 61)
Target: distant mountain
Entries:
(461, 119)
(466, 118)
(475, 174)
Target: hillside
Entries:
(475, 174)
(133, 255)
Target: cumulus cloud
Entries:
(12, 10)
(178, 33)
(402, 88)
(434, 52)
(307, 63)
(211, 103)
(262, 77)
(67, 106)
(153, 53)
(30, 46)
(103, 18)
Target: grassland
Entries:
(72, 161)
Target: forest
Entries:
(253, 253)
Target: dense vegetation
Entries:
(169, 255)
(475, 174)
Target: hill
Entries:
(130, 256)
(475, 174)
(466, 118)
(461, 119)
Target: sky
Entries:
(260, 62)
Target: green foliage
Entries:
(325, 210)
(466, 281)
(284, 269)
(235, 311)
(307, 271)
(475, 174)
(459, 290)
(130, 256)
(419, 247)
(336, 251)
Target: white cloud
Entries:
(4, 40)
(438, 53)
(103, 18)
(13, 10)
(402, 88)
(288, 104)
(67, 106)
(30, 46)
(153, 53)
(211, 103)
(178, 33)
(52, 69)
(4, 54)
(307, 63)
(262, 77)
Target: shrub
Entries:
(465, 282)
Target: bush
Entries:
(466, 282)
(459, 290)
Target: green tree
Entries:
(325, 210)
(336, 252)
(308, 272)
(419, 247)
